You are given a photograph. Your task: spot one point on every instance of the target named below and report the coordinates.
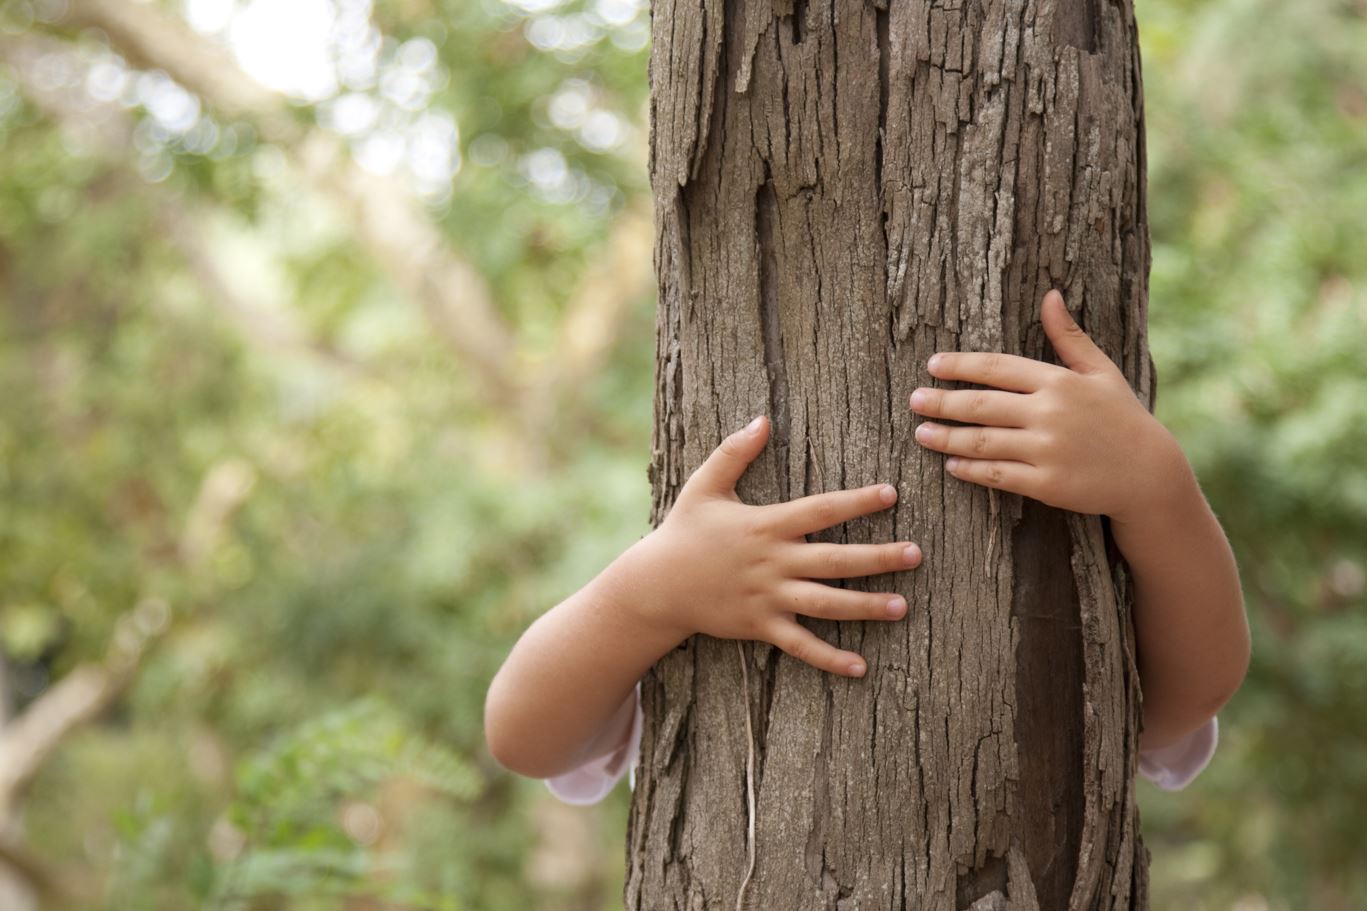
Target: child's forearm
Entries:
(564, 695)
(715, 566)
(1076, 437)
(1193, 639)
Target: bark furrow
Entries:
(843, 188)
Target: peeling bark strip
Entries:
(843, 188)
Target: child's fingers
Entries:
(972, 406)
(822, 510)
(981, 442)
(809, 648)
(723, 468)
(1005, 371)
(1014, 477)
(841, 561)
(813, 599)
(1074, 346)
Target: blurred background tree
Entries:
(326, 330)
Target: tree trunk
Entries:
(843, 188)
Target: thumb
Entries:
(723, 468)
(1074, 346)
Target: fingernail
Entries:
(952, 463)
(918, 399)
(856, 669)
(896, 606)
(912, 553)
(925, 432)
(753, 426)
(888, 493)
(933, 362)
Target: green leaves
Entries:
(1258, 321)
(308, 729)
(345, 752)
(304, 821)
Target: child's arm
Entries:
(1076, 437)
(716, 566)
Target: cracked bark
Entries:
(843, 188)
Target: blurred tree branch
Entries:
(28, 741)
(387, 222)
(598, 308)
(619, 277)
(180, 227)
(269, 327)
(36, 877)
(86, 692)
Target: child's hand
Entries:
(1074, 437)
(735, 571)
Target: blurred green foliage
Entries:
(1257, 128)
(345, 539)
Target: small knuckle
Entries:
(754, 524)
(748, 587)
(776, 618)
(816, 606)
(811, 559)
(753, 624)
(994, 475)
(1047, 386)
(980, 441)
(1050, 483)
(977, 403)
(1050, 409)
(767, 628)
(992, 364)
(824, 510)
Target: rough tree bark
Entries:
(843, 188)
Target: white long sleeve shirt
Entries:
(1171, 767)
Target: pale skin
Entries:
(1073, 436)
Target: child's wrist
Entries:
(1167, 482)
(638, 598)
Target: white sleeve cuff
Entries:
(1173, 767)
(591, 782)
(1170, 767)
